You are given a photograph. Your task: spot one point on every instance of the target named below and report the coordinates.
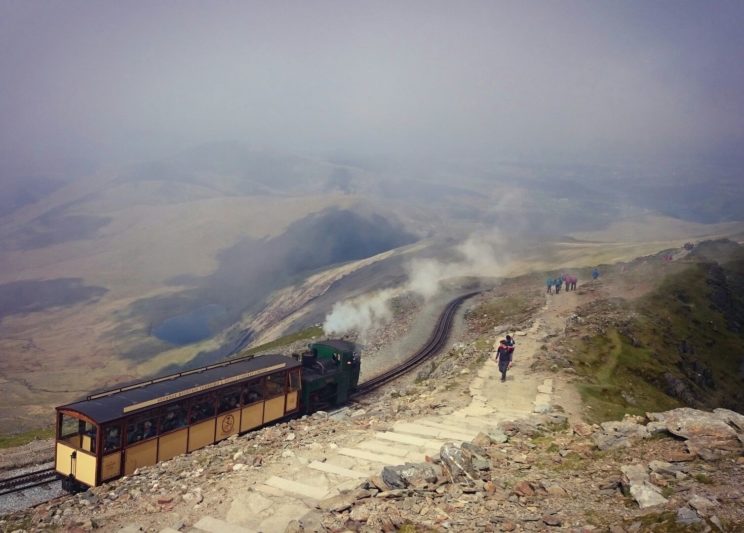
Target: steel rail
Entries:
(432, 347)
(28, 480)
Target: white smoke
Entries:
(360, 314)
(425, 277)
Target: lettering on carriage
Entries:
(201, 388)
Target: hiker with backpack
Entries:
(504, 355)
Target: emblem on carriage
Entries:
(227, 423)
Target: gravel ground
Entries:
(30, 497)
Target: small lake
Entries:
(193, 326)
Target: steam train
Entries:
(113, 433)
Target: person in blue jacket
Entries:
(595, 273)
(549, 283)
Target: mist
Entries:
(480, 255)
(112, 83)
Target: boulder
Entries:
(732, 418)
(619, 434)
(409, 475)
(703, 430)
(337, 504)
(687, 516)
(477, 456)
(637, 480)
(458, 465)
(482, 440)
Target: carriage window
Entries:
(78, 433)
(202, 408)
(142, 429)
(274, 385)
(174, 417)
(229, 400)
(253, 392)
(294, 380)
(69, 427)
(112, 439)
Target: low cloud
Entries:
(481, 255)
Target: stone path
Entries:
(269, 506)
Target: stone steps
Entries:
(413, 428)
(271, 505)
(331, 468)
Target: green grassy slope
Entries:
(681, 344)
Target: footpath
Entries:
(309, 478)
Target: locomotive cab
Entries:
(330, 374)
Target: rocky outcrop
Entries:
(620, 434)
(708, 435)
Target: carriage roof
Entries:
(111, 405)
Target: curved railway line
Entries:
(432, 347)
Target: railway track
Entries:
(432, 347)
(28, 480)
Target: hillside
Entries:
(479, 455)
(655, 333)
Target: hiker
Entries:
(549, 283)
(558, 284)
(504, 357)
(595, 273)
(573, 280)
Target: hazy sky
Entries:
(120, 80)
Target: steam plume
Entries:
(425, 277)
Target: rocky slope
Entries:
(532, 469)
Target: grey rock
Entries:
(730, 417)
(498, 437)
(458, 465)
(644, 493)
(476, 455)
(702, 430)
(701, 504)
(409, 475)
(619, 434)
(664, 468)
(336, 504)
(687, 516)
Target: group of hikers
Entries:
(558, 282)
(569, 280)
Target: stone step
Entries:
(429, 444)
(215, 525)
(331, 468)
(295, 487)
(401, 450)
(451, 424)
(385, 459)
(418, 429)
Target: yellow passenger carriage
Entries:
(112, 433)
